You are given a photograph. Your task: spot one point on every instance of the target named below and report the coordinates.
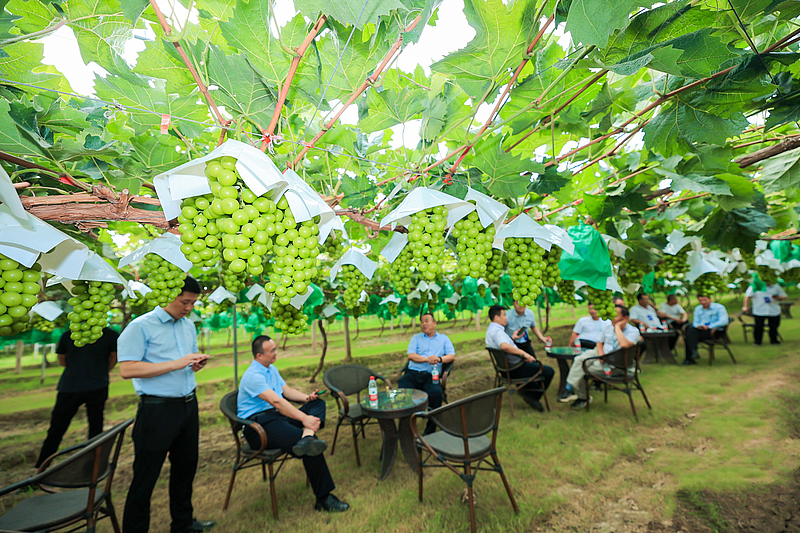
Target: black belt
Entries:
(146, 398)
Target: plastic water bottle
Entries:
(577, 346)
(373, 391)
(548, 342)
(435, 374)
(606, 370)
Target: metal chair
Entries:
(624, 376)
(463, 446)
(247, 457)
(443, 377)
(719, 337)
(344, 381)
(503, 369)
(74, 494)
(750, 326)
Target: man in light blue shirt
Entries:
(265, 398)
(158, 352)
(707, 316)
(520, 321)
(427, 350)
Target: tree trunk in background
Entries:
(358, 331)
(324, 350)
(348, 356)
(20, 349)
(313, 339)
(478, 320)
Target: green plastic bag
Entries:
(648, 283)
(590, 261)
(782, 250)
(757, 284)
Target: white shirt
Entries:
(588, 329)
(495, 336)
(609, 337)
(646, 315)
(764, 302)
(674, 310)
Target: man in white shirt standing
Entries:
(618, 334)
(766, 307)
(588, 329)
(674, 313)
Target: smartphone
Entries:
(321, 392)
(522, 331)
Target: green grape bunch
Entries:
(552, 272)
(392, 307)
(39, 323)
(767, 275)
(296, 250)
(400, 272)
(234, 281)
(334, 246)
(566, 290)
(361, 308)
(90, 305)
(289, 319)
(525, 266)
(632, 271)
(603, 302)
(495, 266)
(709, 283)
(482, 290)
(426, 241)
(165, 279)
(353, 281)
(474, 245)
(791, 276)
(19, 287)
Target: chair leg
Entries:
(112, 514)
(586, 387)
(730, 353)
(710, 354)
(633, 407)
(272, 493)
(470, 497)
(505, 483)
(335, 435)
(605, 392)
(544, 396)
(230, 489)
(355, 443)
(363, 431)
(511, 403)
(419, 471)
(263, 471)
(744, 334)
(645, 396)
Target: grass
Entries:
(718, 428)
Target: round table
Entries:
(564, 355)
(657, 343)
(393, 405)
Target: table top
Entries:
(396, 403)
(562, 352)
(786, 303)
(662, 333)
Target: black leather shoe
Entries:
(202, 525)
(535, 404)
(689, 362)
(332, 504)
(309, 446)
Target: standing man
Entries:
(264, 397)
(520, 322)
(498, 339)
(707, 316)
(766, 307)
(83, 382)
(158, 352)
(674, 313)
(427, 350)
(618, 334)
(588, 329)
(644, 314)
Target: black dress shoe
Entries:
(535, 404)
(332, 504)
(202, 525)
(309, 446)
(689, 362)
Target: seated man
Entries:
(618, 334)
(588, 329)
(427, 350)
(644, 314)
(674, 314)
(520, 322)
(264, 398)
(707, 316)
(498, 339)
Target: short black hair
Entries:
(427, 313)
(495, 311)
(670, 296)
(190, 285)
(640, 296)
(258, 343)
(623, 310)
(701, 295)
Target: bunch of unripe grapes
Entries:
(632, 271)
(525, 266)
(749, 259)
(426, 240)
(603, 302)
(552, 272)
(39, 323)
(676, 266)
(165, 279)
(234, 281)
(400, 272)
(333, 246)
(451, 307)
(474, 245)
(361, 308)
(630, 299)
(289, 319)
(392, 307)
(767, 275)
(566, 289)
(353, 281)
(90, 305)
(482, 290)
(296, 250)
(791, 276)
(18, 289)
(709, 283)
(494, 266)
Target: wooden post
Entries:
(478, 320)
(44, 363)
(348, 356)
(235, 352)
(20, 348)
(391, 323)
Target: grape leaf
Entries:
(350, 12)
(160, 60)
(502, 171)
(386, 108)
(12, 139)
(593, 21)
(157, 153)
(548, 181)
(241, 89)
(781, 172)
(737, 228)
(696, 182)
(697, 125)
(133, 9)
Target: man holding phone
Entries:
(158, 352)
(521, 324)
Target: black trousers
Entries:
(413, 379)
(167, 428)
(758, 331)
(67, 405)
(526, 347)
(284, 432)
(693, 336)
(534, 390)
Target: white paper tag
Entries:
(47, 310)
(394, 247)
(221, 294)
(355, 257)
